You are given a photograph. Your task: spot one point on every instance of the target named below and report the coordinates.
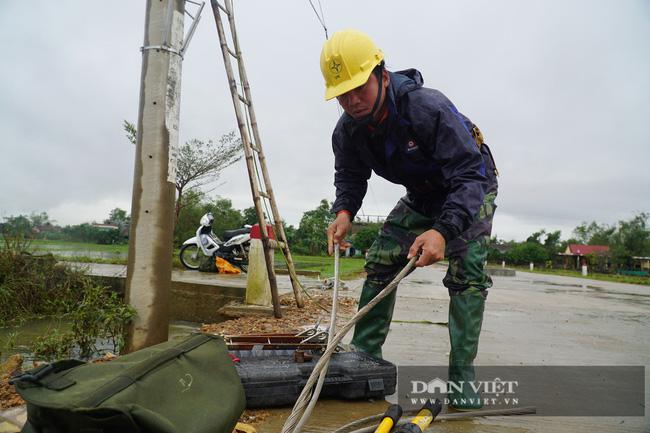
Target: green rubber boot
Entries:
(371, 331)
(465, 320)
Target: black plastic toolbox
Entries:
(274, 378)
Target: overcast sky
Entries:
(560, 90)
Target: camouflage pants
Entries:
(387, 256)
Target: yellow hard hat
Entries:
(347, 60)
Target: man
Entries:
(415, 137)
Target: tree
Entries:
(363, 239)
(631, 239)
(536, 237)
(225, 216)
(594, 233)
(40, 219)
(250, 215)
(626, 239)
(118, 216)
(311, 236)
(17, 232)
(189, 216)
(552, 243)
(199, 162)
(539, 247)
(497, 249)
(291, 232)
(526, 252)
(131, 131)
(87, 233)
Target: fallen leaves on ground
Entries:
(293, 319)
(107, 357)
(254, 417)
(8, 396)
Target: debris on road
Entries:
(8, 396)
(294, 319)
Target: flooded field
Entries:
(16, 339)
(76, 251)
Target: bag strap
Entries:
(47, 375)
(131, 375)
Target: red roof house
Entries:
(583, 250)
(577, 255)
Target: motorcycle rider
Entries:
(413, 136)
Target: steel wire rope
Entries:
(303, 399)
(323, 374)
(321, 20)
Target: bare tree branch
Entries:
(199, 162)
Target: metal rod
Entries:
(222, 8)
(335, 290)
(190, 33)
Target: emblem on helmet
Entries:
(335, 67)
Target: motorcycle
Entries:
(234, 248)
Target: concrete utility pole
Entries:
(148, 280)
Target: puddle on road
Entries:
(414, 281)
(600, 292)
(330, 415)
(611, 292)
(550, 283)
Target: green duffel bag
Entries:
(181, 386)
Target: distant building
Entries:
(642, 263)
(47, 228)
(367, 219)
(577, 255)
(106, 226)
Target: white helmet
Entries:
(207, 219)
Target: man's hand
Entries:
(336, 232)
(432, 244)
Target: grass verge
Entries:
(53, 246)
(351, 267)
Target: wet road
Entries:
(530, 319)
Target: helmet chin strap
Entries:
(369, 119)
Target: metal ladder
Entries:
(260, 187)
